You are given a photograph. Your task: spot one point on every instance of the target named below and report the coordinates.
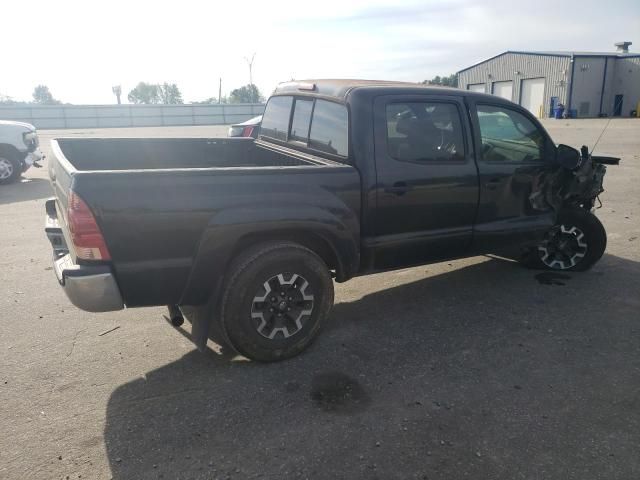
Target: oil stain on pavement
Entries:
(551, 278)
(336, 392)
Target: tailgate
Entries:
(61, 175)
(53, 229)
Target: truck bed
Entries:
(94, 154)
(161, 202)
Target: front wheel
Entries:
(10, 170)
(575, 243)
(275, 300)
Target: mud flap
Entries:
(200, 322)
(204, 325)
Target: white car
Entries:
(19, 149)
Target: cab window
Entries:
(275, 122)
(329, 128)
(424, 132)
(315, 124)
(508, 136)
(301, 120)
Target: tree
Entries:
(169, 94)
(211, 100)
(43, 96)
(152, 94)
(247, 94)
(146, 93)
(6, 100)
(450, 81)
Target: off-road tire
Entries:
(594, 237)
(243, 318)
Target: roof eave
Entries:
(541, 54)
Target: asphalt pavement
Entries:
(469, 369)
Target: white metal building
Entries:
(589, 84)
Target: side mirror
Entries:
(567, 157)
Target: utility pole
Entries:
(250, 63)
(117, 91)
(220, 91)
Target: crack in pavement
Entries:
(73, 342)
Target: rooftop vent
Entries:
(623, 47)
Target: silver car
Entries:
(250, 128)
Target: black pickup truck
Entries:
(346, 178)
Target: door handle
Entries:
(398, 188)
(493, 183)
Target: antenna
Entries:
(601, 134)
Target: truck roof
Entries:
(340, 88)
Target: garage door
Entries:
(476, 87)
(532, 95)
(503, 89)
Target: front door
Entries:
(515, 154)
(427, 185)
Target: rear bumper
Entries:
(89, 287)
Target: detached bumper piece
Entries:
(89, 287)
(32, 159)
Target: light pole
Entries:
(250, 63)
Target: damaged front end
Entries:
(570, 189)
(575, 181)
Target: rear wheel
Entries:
(9, 169)
(275, 301)
(574, 244)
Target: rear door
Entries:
(514, 155)
(427, 185)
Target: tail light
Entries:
(85, 234)
(248, 131)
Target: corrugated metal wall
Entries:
(627, 83)
(586, 87)
(588, 74)
(96, 116)
(608, 96)
(517, 67)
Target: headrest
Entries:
(415, 126)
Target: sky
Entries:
(80, 49)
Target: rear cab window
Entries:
(275, 122)
(329, 128)
(314, 124)
(301, 120)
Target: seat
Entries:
(423, 139)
